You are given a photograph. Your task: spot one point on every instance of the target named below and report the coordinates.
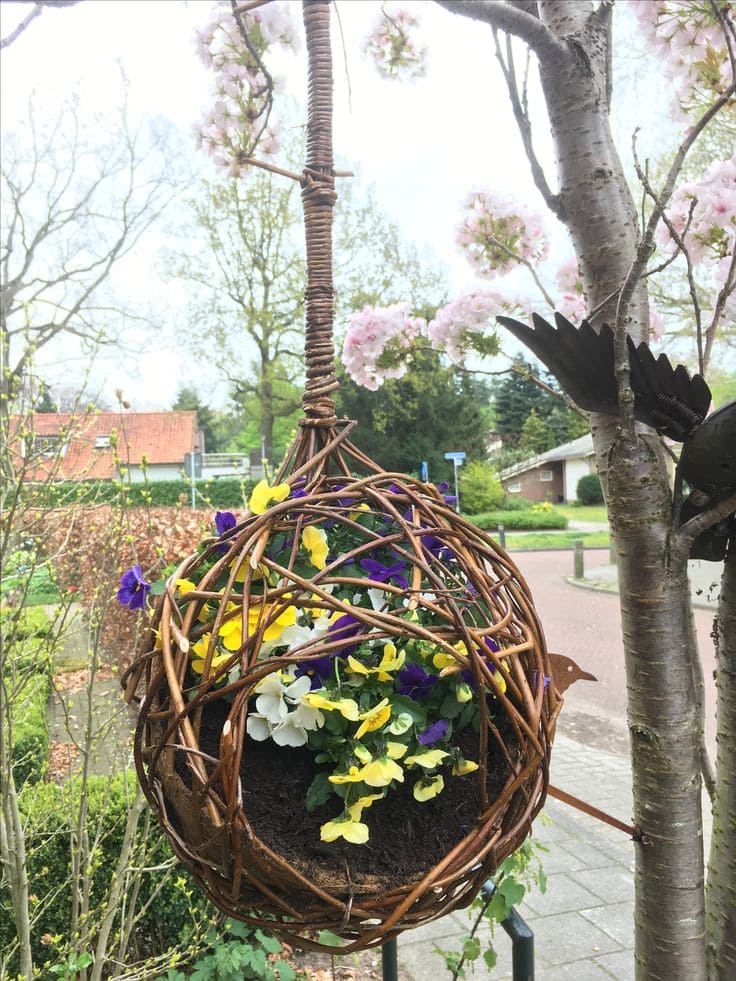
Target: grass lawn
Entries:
(559, 539)
(592, 512)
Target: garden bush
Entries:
(480, 488)
(589, 489)
(513, 502)
(50, 812)
(520, 520)
(30, 692)
(226, 492)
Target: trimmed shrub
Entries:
(30, 728)
(520, 520)
(50, 813)
(227, 492)
(480, 488)
(589, 489)
(512, 502)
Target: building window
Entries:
(545, 475)
(102, 443)
(514, 488)
(46, 446)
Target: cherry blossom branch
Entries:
(680, 249)
(552, 200)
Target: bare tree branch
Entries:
(514, 19)
(29, 18)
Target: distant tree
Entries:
(217, 426)
(43, 401)
(536, 436)
(75, 200)
(431, 410)
(516, 396)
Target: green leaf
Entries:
(512, 891)
(319, 792)
(542, 880)
(329, 939)
(471, 948)
(269, 943)
(490, 957)
(450, 707)
(285, 971)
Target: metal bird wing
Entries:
(666, 398)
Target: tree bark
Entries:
(659, 642)
(721, 893)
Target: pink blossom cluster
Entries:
(496, 232)
(392, 47)
(378, 343)
(704, 212)
(458, 326)
(237, 119)
(688, 37)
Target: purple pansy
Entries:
(415, 682)
(224, 521)
(133, 589)
(319, 671)
(378, 572)
(345, 628)
(432, 734)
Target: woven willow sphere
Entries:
(453, 594)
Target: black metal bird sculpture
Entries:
(668, 399)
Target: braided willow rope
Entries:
(460, 588)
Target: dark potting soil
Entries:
(407, 837)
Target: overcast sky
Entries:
(423, 145)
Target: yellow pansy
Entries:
(442, 660)
(462, 767)
(353, 831)
(381, 772)
(231, 630)
(429, 759)
(264, 495)
(314, 540)
(347, 707)
(374, 718)
(200, 650)
(184, 586)
(352, 776)
(362, 753)
(395, 750)
(356, 809)
(463, 693)
(427, 789)
(391, 661)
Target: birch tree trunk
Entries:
(721, 895)
(572, 43)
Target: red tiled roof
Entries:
(160, 437)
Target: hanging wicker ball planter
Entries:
(345, 705)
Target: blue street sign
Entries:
(455, 456)
(425, 471)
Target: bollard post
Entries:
(502, 536)
(579, 562)
(390, 960)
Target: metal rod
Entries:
(390, 960)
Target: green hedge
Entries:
(520, 520)
(589, 490)
(228, 492)
(50, 813)
(30, 752)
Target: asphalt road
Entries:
(586, 626)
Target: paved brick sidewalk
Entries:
(583, 924)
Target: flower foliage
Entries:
(688, 38)
(378, 342)
(392, 47)
(238, 119)
(305, 611)
(495, 232)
